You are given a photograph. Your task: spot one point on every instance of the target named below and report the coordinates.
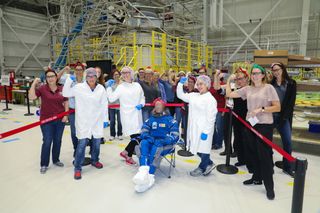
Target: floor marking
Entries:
(290, 183)
(191, 161)
(242, 172)
(11, 140)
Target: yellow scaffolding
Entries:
(158, 50)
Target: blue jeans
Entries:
(52, 134)
(285, 133)
(113, 113)
(73, 132)
(205, 161)
(81, 148)
(178, 115)
(218, 131)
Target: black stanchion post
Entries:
(184, 152)
(227, 168)
(6, 97)
(28, 102)
(298, 187)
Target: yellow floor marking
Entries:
(290, 183)
(191, 161)
(242, 172)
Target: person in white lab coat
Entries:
(91, 117)
(202, 114)
(131, 98)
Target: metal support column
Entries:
(1, 46)
(304, 27)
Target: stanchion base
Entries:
(184, 153)
(28, 114)
(227, 169)
(279, 164)
(6, 109)
(87, 161)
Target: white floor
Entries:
(23, 189)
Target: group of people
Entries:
(252, 96)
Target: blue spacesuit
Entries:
(158, 131)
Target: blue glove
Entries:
(73, 78)
(183, 80)
(139, 106)
(203, 136)
(105, 124)
(110, 83)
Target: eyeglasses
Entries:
(125, 73)
(276, 70)
(239, 79)
(50, 76)
(91, 76)
(256, 73)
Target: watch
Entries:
(263, 109)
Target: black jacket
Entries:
(287, 106)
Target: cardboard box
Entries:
(267, 57)
(271, 53)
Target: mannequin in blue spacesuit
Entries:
(158, 131)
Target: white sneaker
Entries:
(145, 187)
(120, 138)
(111, 138)
(142, 177)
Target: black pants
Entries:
(259, 155)
(226, 127)
(239, 140)
(132, 144)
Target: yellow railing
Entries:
(158, 50)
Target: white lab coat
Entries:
(130, 95)
(202, 116)
(91, 108)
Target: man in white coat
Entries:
(202, 114)
(131, 98)
(91, 117)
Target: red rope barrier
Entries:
(266, 140)
(38, 123)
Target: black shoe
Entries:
(233, 154)
(223, 153)
(216, 147)
(270, 195)
(239, 164)
(251, 181)
(288, 172)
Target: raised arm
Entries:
(229, 93)
(32, 90)
(67, 90)
(180, 93)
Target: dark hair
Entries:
(284, 77)
(116, 71)
(50, 70)
(100, 80)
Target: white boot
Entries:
(145, 187)
(142, 177)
